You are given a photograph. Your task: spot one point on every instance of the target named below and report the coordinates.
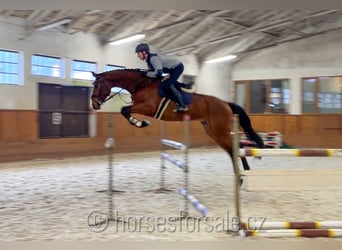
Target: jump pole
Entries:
(277, 229)
(183, 165)
(309, 233)
(274, 229)
(235, 144)
(278, 225)
(164, 156)
(186, 120)
(304, 152)
(109, 144)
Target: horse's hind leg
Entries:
(245, 163)
(224, 141)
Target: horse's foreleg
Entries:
(126, 112)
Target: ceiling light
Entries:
(221, 59)
(55, 24)
(128, 39)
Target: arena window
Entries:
(264, 96)
(46, 66)
(82, 70)
(322, 94)
(11, 67)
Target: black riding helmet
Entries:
(142, 47)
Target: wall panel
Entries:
(19, 134)
(18, 125)
(290, 124)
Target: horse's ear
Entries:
(94, 74)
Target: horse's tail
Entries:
(245, 123)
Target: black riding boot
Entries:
(185, 85)
(181, 106)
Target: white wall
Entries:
(80, 46)
(215, 79)
(316, 56)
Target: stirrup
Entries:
(188, 85)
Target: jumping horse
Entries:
(214, 114)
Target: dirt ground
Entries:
(60, 200)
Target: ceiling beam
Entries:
(156, 38)
(39, 19)
(101, 21)
(163, 17)
(206, 19)
(210, 41)
(207, 36)
(272, 44)
(117, 26)
(33, 14)
(172, 40)
(230, 36)
(245, 42)
(164, 27)
(92, 12)
(7, 13)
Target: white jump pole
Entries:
(109, 144)
(235, 145)
(303, 152)
(183, 165)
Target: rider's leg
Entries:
(178, 96)
(170, 84)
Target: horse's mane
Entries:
(137, 84)
(136, 70)
(125, 69)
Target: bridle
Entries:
(100, 83)
(100, 102)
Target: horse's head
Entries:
(101, 90)
(131, 80)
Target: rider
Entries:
(159, 64)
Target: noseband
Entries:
(99, 102)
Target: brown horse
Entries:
(214, 114)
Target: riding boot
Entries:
(185, 85)
(181, 106)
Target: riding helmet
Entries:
(142, 47)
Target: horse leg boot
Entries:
(125, 111)
(181, 106)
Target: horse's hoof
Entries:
(145, 123)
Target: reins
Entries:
(108, 98)
(132, 91)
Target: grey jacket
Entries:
(158, 64)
